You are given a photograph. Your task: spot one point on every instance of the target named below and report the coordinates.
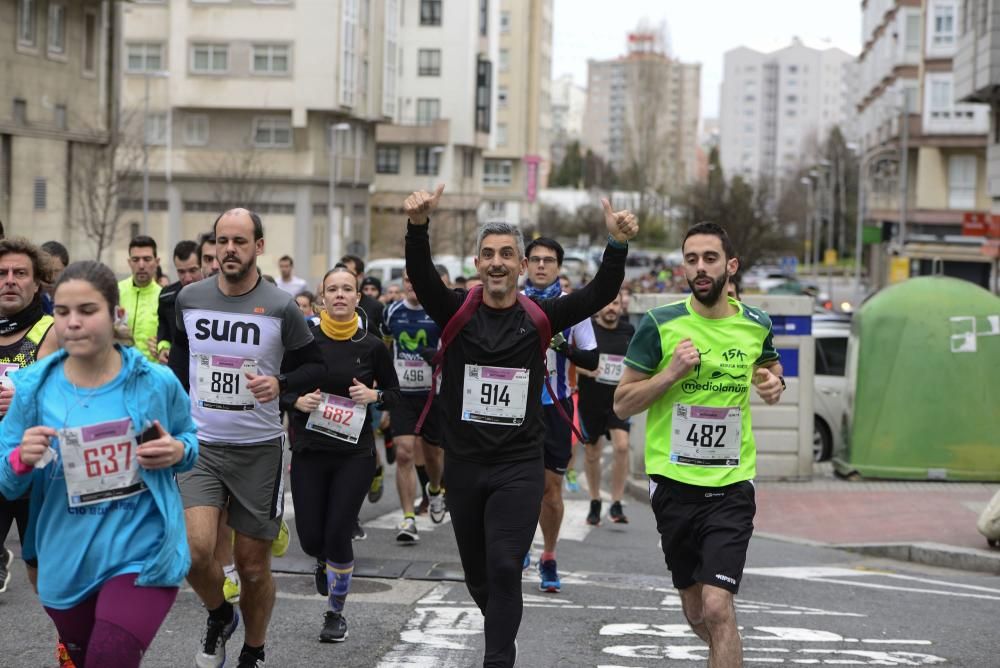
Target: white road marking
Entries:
(839, 575)
(390, 521)
(437, 636)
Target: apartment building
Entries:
(444, 113)
(777, 107)
(568, 102)
(57, 104)
(269, 104)
(643, 109)
(923, 154)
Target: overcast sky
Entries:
(700, 31)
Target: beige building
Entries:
(57, 84)
(445, 108)
(643, 109)
(270, 105)
(518, 167)
(568, 102)
(923, 153)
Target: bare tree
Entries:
(105, 180)
(239, 179)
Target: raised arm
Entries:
(440, 302)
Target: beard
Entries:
(711, 297)
(610, 319)
(239, 274)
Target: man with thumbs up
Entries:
(492, 422)
(692, 363)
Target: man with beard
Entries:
(139, 294)
(188, 266)
(24, 329)
(246, 341)
(492, 421)
(691, 363)
(597, 419)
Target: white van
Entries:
(390, 269)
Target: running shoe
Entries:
(616, 513)
(594, 516)
(359, 531)
(407, 531)
(231, 589)
(217, 634)
(572, 484)
(550, 576)
(319, 575)
(526, 564)
(279, 546)
(6, 557)
(436, 507)
(334, 627)
(375, 490)
(63, 657)
(422, 507)
(248, 660)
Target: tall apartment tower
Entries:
(643, 108)
(269, 105)
(444, 113)
(774, 107)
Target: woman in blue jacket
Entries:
(98, 433)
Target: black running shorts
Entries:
(704, 531)
(593, 425)
(405, 414)
(558, 436)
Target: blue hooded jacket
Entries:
(152, 393)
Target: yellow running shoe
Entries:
(231, 589)
(280, 544)
(375, 490)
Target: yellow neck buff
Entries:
(338, 331)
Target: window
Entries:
(272, 132)
(430, 12)
(428, 160)
(497, 172)
(349, 62)
(90, 42)
(270, 59)
(484, 87)
(831, 355)
(943, 27)
(911, 40)
(196, 129)
(501, 134)
(793, 69)
(505, 23)
(57, 28)
(428, 110)
(389, 58)
(26, 22)
(502, 96)
(40, 194)
(791, 99)
(429, 62)
(156, 129)
(144, 57)
(496, 208)
(962, 182)
(209, 58)
(468, 163)
(484, 17)
(387, 160)
(504, 60)
(940, 103)
(59, 116)
(20, 111)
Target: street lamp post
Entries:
(335, 242)
(807, 255)
(146, 76)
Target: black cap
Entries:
(371, 280)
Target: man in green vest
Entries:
(139, 295)
(692, 363)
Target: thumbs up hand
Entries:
(622, 225)
(418, 205)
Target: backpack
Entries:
(462, 317)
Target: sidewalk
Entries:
(926, 522)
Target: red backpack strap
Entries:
(544, 329)
(473, 299)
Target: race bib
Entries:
(610, 368)
(100, 462)
(413, 375)
(222, 383)
(706, 436)
(494, 395)
(6, 369)
(338, 417)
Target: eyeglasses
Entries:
(537, 259)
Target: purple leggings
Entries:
(114, 626)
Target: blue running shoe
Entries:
(526, 564)
(550, 576)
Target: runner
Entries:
(573, 345)
(597, 419)
(414, 336)
(246, 341)
(333, 447)
(494, 441)
(140, 295)
(691, 363)
(98, 433)
(188, 267)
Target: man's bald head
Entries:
(247, 216)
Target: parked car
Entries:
(829, 399)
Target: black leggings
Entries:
(328, 491)
(11, 511)
(494, 510)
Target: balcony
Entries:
(434, 133)
(977, 63)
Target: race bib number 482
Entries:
(706, 435)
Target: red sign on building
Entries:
(977, 224)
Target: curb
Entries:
(929, 554)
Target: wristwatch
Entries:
(378, 398)
(783, 386)
(282, 382)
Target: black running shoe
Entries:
(334, 627)
(594, 516)
(616, 513)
